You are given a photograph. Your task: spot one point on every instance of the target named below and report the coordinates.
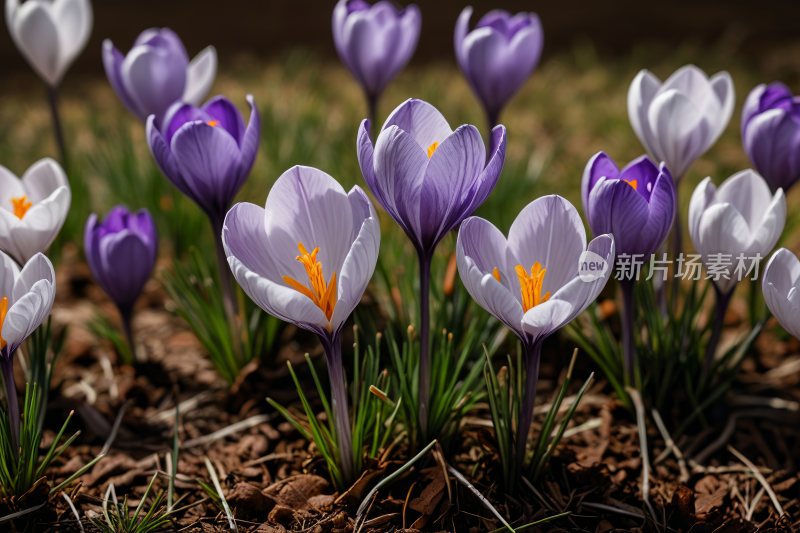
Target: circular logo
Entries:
(591, 266)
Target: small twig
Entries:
(756, 501)
(456, 474)
(438, 454)
(115, 428)
(229, 430)
(74, 511)
(761, 479)
(671, 445)
(184, 406)
(641, 421)
(218, 487)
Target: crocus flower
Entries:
(428, 178)
(157, 72)
(679, 120)
(121, 252)
(32, 209)
(25, 301)
(781, 286)
(50, 34)
(532, 281)
(637, 206)
(207, 153)
(306, 258)
(730, 227)
(375, 42)
(498, 56)
(771, 134)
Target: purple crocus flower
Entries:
(771, 134)
(428, 178)
(375, 42)
(121, 252)
(207, 153)
(157, 72)
(498, 55)
(337, 235)
(549, 240)
(637, 206)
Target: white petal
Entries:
(722, 85)
(10, 187)
(766, 234)
(748, 193)
(641, 92)
(73, 19)
(39, 227)
(37, 269)
(28, 313)
(36, 36)
(200, 75)
(43, 178)
(9, 272)
(702, 197)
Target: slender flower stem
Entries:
(372, 105)
(492, 118)
(628, 342)
(532, 356)
(341, 414)
(676, 245)
(723, 300)
(228, 299)
(127, 318)
(424, 342)
(7, 364)
(52, 93)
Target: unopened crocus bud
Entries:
(375, 41)
(781, 285)
(678, 120)
(121, 252)
(50, 34)
(771, 134)
(498, 56)
(157, 72)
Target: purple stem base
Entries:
(723, 300)
(424, 343)
(532, 356)
(628, 342)
(344, 438)
(7, 365)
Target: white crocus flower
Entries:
(32, 209)
(679, 120)
(781, 287)
(740, 219)
(50, 34)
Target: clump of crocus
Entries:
(781, 285)
(498, 56)
(26, 298)
(50, 35)
(532, 281)
(375, 42)
(157, 72)
(637, 206)
(428, 178)
(121, 252)
(732, 228)
(771, 134)
(679, 120)
(306, 258)
(32, 209)
(207, 153)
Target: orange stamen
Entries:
(496, 274)
(3, 311)
(213, 122)
(531, 286)
(432, 148)
(632, 183)
(21, 206)
(322, 294)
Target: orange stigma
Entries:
(322, 294)
(3, 311)
(632, 183)
(432, 148)
(21, 206)
(531, 286)
(496, 275)
(213, 122)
